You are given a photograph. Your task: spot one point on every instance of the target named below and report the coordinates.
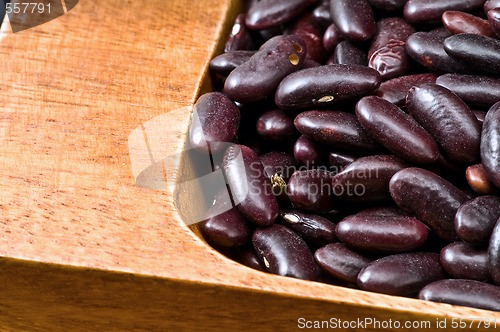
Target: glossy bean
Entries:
(459, 22)
(225, 63)
(473, 89)
(396, 130)
(283, 252)
(354, 19)
(317, 231)
(215, 122)
(321, 14)
(385, 234)
(250, 188)
(396, 89)
(239, 39)
(341, 262)
(308, 152)
(387, 53)
(310, 190)
(470, 293)
(448, 119)
(276, 126)
(427, 11)
(428, 197)
(346, 53)
(258, 78)
(401, 274)
(494, 21)
(325, 85)
(336, 129)
(280, 164)
(248, 257)
(384, 211)
(491, 4)
(476, 218)
(312, 35)
(490, 148)
(478, 180)
(339, 160)
(494, 253)
(367, 179)
(267, 14)
(464, 261)
(475, 50)
(389, 6)
(331, 38)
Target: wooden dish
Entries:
(83, 246)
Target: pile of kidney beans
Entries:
(360, 143)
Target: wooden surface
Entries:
(84, 247)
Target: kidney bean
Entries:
(240, 38)
(282, 164)
(490, 148)
(494, 21)
(225, 63)
(341, 262)
(396, 89)
(258, 78)
(491, 4)
(464, 261)
(382, 233)
(339, 159)
(429, 197)
(396, 130)
(346, 53)
(476, 218)
(389, 6)
(354, 19)
(480, 115)
(276, 126)
(248, 257)
(474, 89)
(250, 189)
(459, 22)
(426, 11)
(215, 122)
(331, 38)
(385, 211)
(308, 152)
(448, 119)
(475, 50)
(267, 14)
(321, 14)
(283, 252)
(478, 180)
(494, 253)
(427, 49)
(325, 86)
(334, 128)
(401, 274)
(367, 179)
(312, 35)
(470, 293)
(311, 190)
(387, 53)
(317, 231)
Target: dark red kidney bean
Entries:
(248, 257)
(475, 50)
(396, 130)
(341, 262)
(340, 159)
(283, 252)
(389, 6)
(312, 35)
(308, 152)
(396, 89)
(326, 85)
(448, 119)
(346, 53)
(354, 19)
(387, 53)
(311, 190)
(331, 38)
(427, 49)
(367, 179)
(491, 4)
(470, 293)
(382, 233)
(476, 218)
(384, 211)
(258, 78)
(267, 14)
(239, 38)
(494, 253)
(459, 22)
(215, 122)
(490, 148)
(336, 129)
(428, 11)
(276, 126)
(401, 274)
(225, 63)
(315, 230)
(473, 89)
(464, 261)
(494, 21)
(321, 14)
(428, 197)
(478, 180)
(282, 164)
(250, 189)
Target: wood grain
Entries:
(84, 247)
